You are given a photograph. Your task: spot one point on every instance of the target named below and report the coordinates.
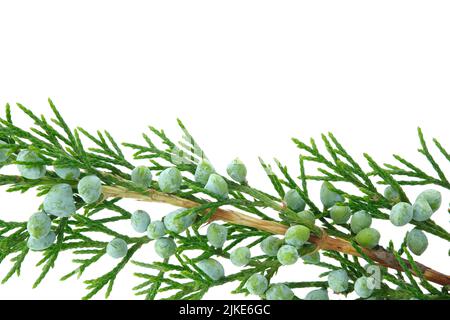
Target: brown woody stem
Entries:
(324, 242)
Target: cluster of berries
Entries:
(59, 202)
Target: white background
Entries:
(245, 76)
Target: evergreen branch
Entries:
(247, 212)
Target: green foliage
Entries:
(182, 273)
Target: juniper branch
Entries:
(250, 218)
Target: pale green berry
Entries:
(240, 257)
(329, 198)
(297, 236)
(433, 197)
(170, 180)
(257, 284)
(141, 176)
(67, 173)
(271, 245)
(140, 221)
(34, 170)
(165, 247)
(4, 152)
(417, 241)
(287, 255)
(217, 235)
(90, 189)
(156, 230)
(312, 258)
(421, 210)
(401, 214)
(179, 220)
(237, 171)
(391, 194)
(305, 217)
(340, 214)
(338, 280)
(59, 201)
(370, 267)
(39, 225)
(117, 248)
(364, 287)
(42, 243)
(203, 171)
(279, 292)
(217, 186)
(318, 294)
(368, 238)
(360, 220)
(294, 201)
(212, 268)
